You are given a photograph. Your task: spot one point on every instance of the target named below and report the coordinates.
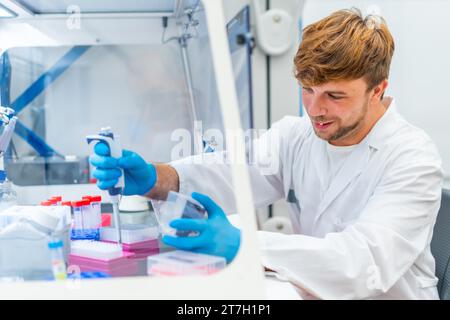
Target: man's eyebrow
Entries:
(336, 92)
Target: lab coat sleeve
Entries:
(211, 174)
(370, 255)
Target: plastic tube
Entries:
(95, 215)
(82, 228)
(96, 202)
(57, 257)
(89, 221)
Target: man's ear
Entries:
(379, 89)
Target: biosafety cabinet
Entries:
(167, 76)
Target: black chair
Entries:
(440, 246)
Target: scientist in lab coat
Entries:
(362, 183)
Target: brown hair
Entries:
(345, 46)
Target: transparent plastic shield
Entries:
(103, 6)
(161, 97)
(137, 90)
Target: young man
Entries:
(364, 185)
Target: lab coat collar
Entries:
(384, 128)
(359, 158)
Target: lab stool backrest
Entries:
(440, 246)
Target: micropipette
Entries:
(112, 141)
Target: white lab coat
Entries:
(368, 235)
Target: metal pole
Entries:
(198, 140)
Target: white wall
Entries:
(419, 74)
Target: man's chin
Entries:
(323, 135)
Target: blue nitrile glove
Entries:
(217, 236)
(140, 177)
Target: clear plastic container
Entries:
(8, 197)
(131, 233)
(178, 206)
(24, 252)
(24, 240)
(183, 263)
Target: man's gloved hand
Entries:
(140, 177)
(217, 236)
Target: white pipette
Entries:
(112, 141)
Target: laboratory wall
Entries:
(421, 64)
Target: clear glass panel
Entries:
(241, 47)
(6, 13)
(206, 98)
(119, 86)
(150, 95)
(103, 6)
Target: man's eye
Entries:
(309, 90)
(334, 97)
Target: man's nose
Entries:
(315, 107)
